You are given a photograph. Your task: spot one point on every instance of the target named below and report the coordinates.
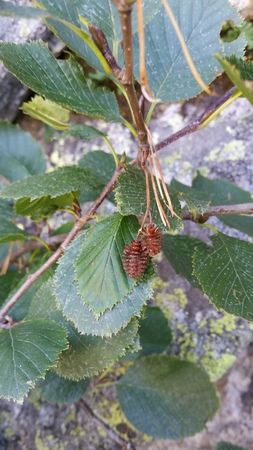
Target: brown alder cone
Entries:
(135, 259)
(152, 238)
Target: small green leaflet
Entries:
(225, 274)
(131, 198)
(72, 306)
(55, 389)
(10, 232)
(166, 398)
(28, 349)
(54, 184)
(196, 201)
(61, 81)
(179, 251)
(28, 160)
(89, 355)
(100, 275)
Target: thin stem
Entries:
(194, 126)
(56, 255)
(114, 154)
(112, 433)
(150, 112)
(222, 210)
(236, 94)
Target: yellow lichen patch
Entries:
(179, 297)
(226, 323)
(231, 151)
(217, 367)
(160, 301)
(158, 283)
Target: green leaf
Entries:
(44, 206)
(55, 389)
(221, 192)
(241, 74)
(131, 198)
(227, 446)
(196, 201)
(179, 251)
(28, 160)
(155, 332)
(10, 9)
(247, 29)
(81, 131)
(61, 81)
(28, 349)
(53, 184)
(10, 232)
(100, 164)
(225, 274)
(47, 112)
(89, 355)
(72, 306)
(200, 23)
(100, 275)
(6, 210)
(8, 282)
(167, 398)
(63, 28)
(19, 311)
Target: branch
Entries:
(125, 11)
(112, 434)
(195, 125)
(223, 210)
(56, 255)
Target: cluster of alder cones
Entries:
(136, 256)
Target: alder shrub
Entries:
(63, 324)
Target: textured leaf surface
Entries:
(167, 398)
(28, 349)
(28, 160)
(89, 355)
(221, 192)
(179, 251)
(100, 275)
(6, 209)
(53, 184)
(61, 81)
(200, 22)
(131, 198)
(10, 232)
(71, 304)
(55, 389)
(225, 274)
(241, 73)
